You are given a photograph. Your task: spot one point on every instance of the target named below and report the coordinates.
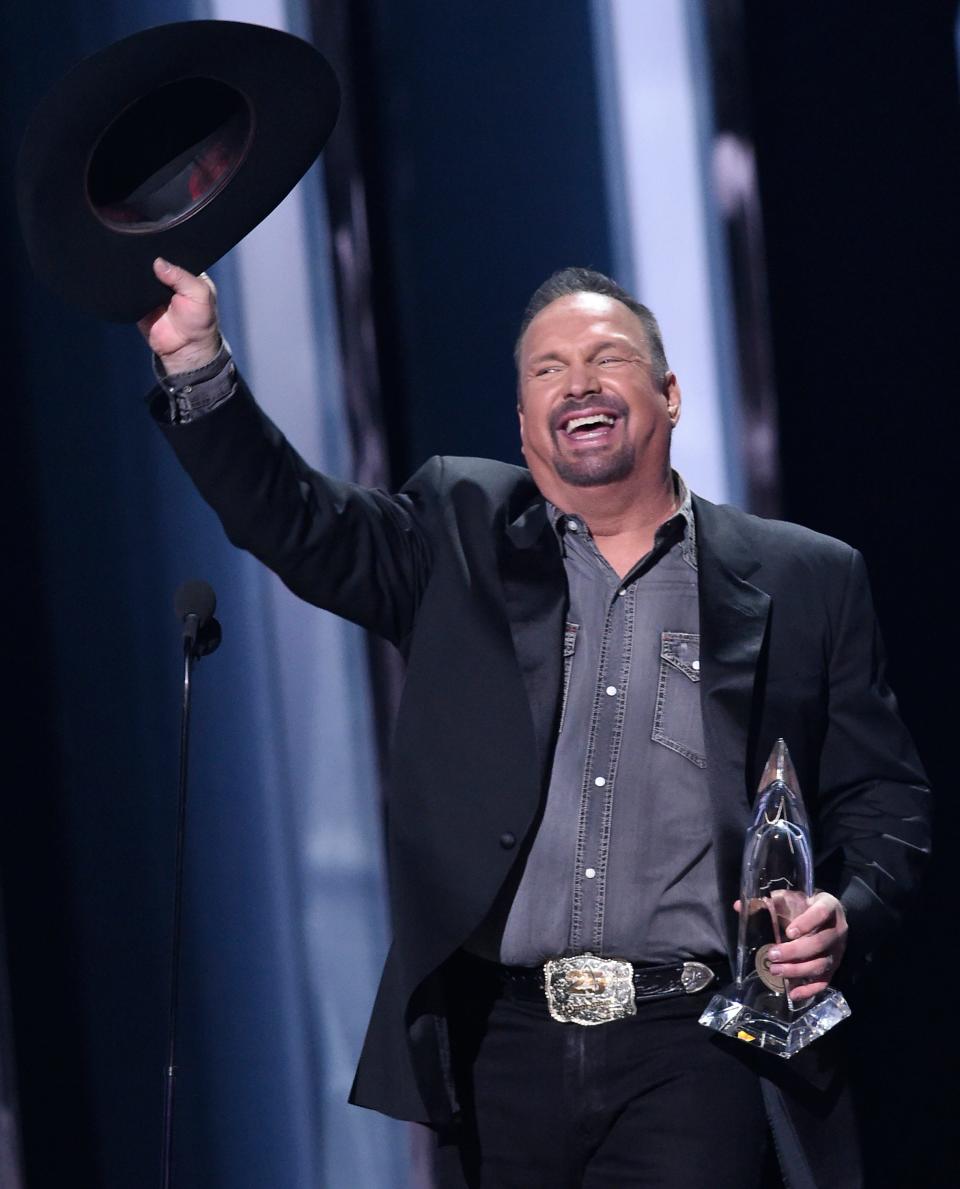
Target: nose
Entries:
(582, 380)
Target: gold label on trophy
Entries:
(773, 981)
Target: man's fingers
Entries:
(173, 275)
(812, 919)
(146, 323)
(822, 911)
(822, 966)
(183, 282)
(806, 990)
(807, 948)
(805, 979)
(817, 940)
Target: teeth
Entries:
(593, 419)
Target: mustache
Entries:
(572, 407)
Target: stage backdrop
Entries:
(498, 142)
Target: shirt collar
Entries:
(564, 522)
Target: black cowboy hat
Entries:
(174, 142)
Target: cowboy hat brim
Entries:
(174, 142)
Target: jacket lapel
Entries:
(535, 590)
(733, 628)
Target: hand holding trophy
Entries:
(776, 886)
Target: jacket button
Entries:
(508, 841)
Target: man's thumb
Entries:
(181, 281)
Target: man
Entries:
(598, 663)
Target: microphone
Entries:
(194, 605)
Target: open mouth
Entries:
(588, 426)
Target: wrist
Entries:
(191, 358)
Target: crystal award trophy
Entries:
(776, 884)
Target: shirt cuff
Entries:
(192, 395)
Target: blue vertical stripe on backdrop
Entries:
(656, 112)
(315, 732)
(726, 367)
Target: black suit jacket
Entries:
(462, 572)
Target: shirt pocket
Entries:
(677, 720)
(569, 647)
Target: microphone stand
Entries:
(197, 641)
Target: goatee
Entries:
(595, 471)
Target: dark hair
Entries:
(568, 281)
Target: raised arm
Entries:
(359, 553)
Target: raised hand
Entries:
(185, 333)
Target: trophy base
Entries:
(783, 1037)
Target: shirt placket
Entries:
(600, 772)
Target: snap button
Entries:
(507, 840)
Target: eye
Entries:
(605, 359)
(548, 369)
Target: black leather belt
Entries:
(587, 989)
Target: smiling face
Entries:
(593, 409)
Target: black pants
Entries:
(654, 1100)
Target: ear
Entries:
(672, 394)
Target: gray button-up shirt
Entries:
(622, 863)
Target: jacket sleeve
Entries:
(874, 807)
(360, 553)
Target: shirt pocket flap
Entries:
(682, 651)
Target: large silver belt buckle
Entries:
(589, 990)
